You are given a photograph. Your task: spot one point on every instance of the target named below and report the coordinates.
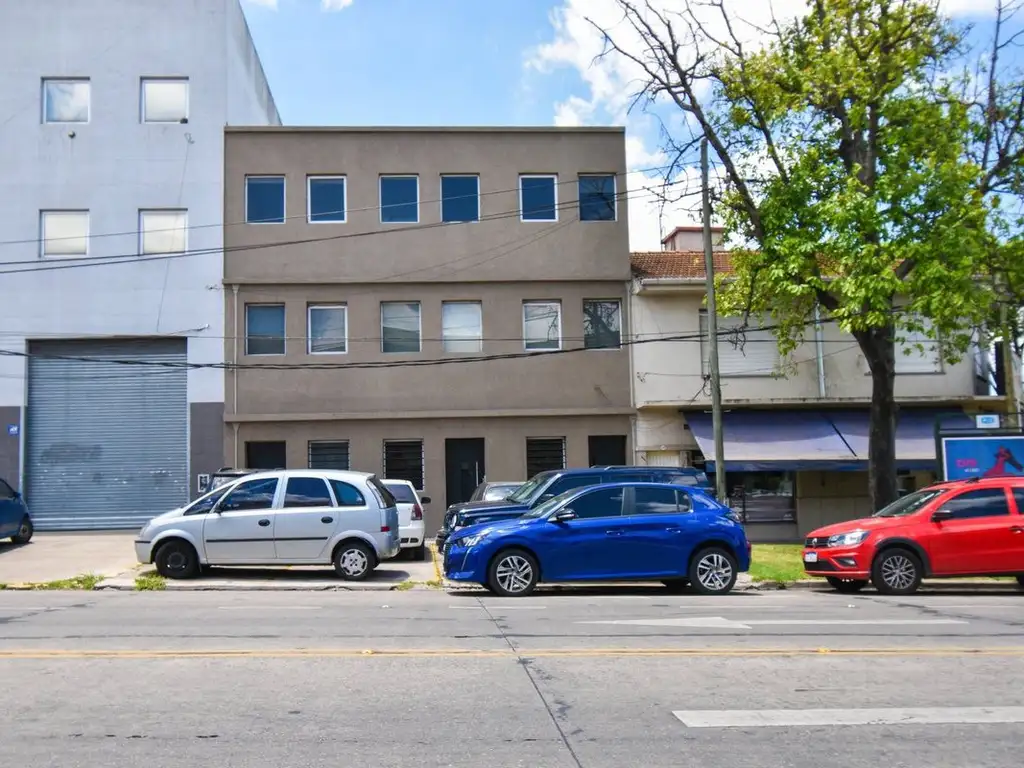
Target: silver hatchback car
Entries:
(285, 517)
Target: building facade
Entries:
(111, 163)
(440, 305)
(795, 427)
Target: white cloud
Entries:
(611, 81)
(335, 5)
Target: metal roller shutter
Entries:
(106, 443)
(544, 454)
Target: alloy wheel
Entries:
(898, 572)
(714, 572)
(514, 573)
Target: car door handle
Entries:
(613, 533)
(674, 530)
(326, 519)
(264, 523)
(1016, 529)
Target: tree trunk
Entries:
(879, 350)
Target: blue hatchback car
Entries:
(612, 532)
(15, 521)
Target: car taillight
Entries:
(385, 528)
(417, 512)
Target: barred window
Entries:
(403, 460)
(543, 454)
(328, 454)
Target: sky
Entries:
(480, 62)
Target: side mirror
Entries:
(941, 514)
(425, 499)
(564, 516)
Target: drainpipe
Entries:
(234, 371)
(819, 350)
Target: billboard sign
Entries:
(988, 456)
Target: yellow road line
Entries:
(287, 653)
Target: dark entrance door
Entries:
(607, 450)
(265, 455)
(463, 467)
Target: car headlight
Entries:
(472, 541)
(847, 539)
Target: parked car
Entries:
(620, 531)
(410, 517)
(494, 491)
(15, 520)
(294, 517)
(966, 528)
(546, 485)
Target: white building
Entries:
(111, 176)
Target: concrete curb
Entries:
(937, 585)
(128, 585)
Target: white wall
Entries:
(115, 165)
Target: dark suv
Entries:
(547, 485)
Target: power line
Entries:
(190, 227)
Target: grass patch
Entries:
(150, 582)
(404, 586)
(3, 586)
(777, 562)
(86, 581)
(434, 583)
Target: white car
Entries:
(285, 517)
(410, 517)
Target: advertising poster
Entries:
(992, 456)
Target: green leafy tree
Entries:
(844, 149)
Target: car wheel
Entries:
(676, 585)
(353, 561)
(896, 572)
(513, 573)
(713, 571)
(177, 560)
(25, 531)
(1020, 580)
(846, 586)
(419, 554)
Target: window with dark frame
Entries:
(597, 197)
(328, 454)
(306, 492)
(265, 454)
(544, 454)
(654, 501)
(264, 200)
(264, 329)
(399, 199)
(602, 324)
(400, 326)
(403, 460)
(347, 495)
(460, 198)
(983, 502)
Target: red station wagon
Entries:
(966, 528)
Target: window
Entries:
(264, 199)
(569, 482)
(64, 233)
(328, 454)
(400, 326)
(163, 231)
(6, 492)
(538, 198)
(1018, 497)
(597, 197)
(264, 329)
(347, 495)
(382, 492)
(544, 454)
(460, 198)
(542, 325)
(606, 502)
(762, 497)
(602, 324)
(164, 100)
(462, 326)
(918, 351)
(251, 494)
(66, 101)
(328, 329)
(265, 454)
(307, 492)
(984, 502)
(403, 493)
(403, 460)
(606, 450)
(746, 352)
(205, 504)
(325, 199)
(399, 199)
(655, 501)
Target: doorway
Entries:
(607, 450)
(265, 455)
(463, 467)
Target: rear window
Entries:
(402, 492)
(386, 497)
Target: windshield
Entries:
(548, 506)
(204, 504)
(527, 490)
(910, 503)
(499, 492)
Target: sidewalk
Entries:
(52, 557)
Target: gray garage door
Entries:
(106, 443)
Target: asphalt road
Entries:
(625, 679)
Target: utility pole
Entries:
(1009, 369)
(709, 276)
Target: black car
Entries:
(547, 485)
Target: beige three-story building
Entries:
(439, 305)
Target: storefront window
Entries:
(763, 497)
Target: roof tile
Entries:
(676, 264)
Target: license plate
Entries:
(810, 557)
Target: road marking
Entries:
(720, 622)
(773, 718)
(298, 653)
(497, 607)
(270, 607)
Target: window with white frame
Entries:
(66, 101)
(163, 231)
(538, 197)
(325, 199)
(164, 100)
(742, 351)
(462, 326)
(400, 329)
(64, 233)
(328, 329)
(602, 324)
(918, 351)
(542, 325)
(264, 329)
